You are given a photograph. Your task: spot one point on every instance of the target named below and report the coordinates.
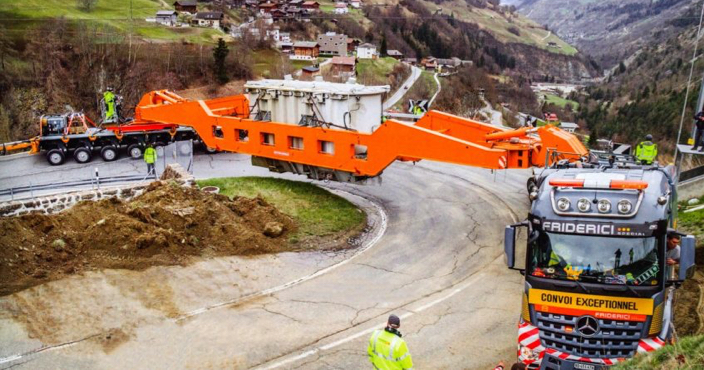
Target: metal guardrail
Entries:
(93, 183)
(690, 174)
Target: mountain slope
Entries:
(611, 30)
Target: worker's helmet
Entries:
(394, 322)
(649, 137)
(109, 88)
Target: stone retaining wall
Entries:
(58, 202)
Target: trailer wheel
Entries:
(135, 151)
(55, 157)
(109, 153)
(82, 155)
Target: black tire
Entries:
(82, 155)
(109, 153)
(531, 184)
(135, 151)
(55, 157)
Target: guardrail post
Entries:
(12, 193)
(97, 178)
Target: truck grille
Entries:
(614, 339)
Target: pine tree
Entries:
(383, 46)
(219, 55)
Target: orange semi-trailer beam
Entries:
(224, 124)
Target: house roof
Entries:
(295, 2)
(311, 69)
(345, 61)
(209, 15)
(165, 13)
(394, 53)
(268, 5)
(367, 46)
(340, 5)
(185, 3)
(305, 44)
(310, 3)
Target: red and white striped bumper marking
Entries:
(528, 336)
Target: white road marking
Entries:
(453, 291)
(382, 230)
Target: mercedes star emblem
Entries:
(588, 326)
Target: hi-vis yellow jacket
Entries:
(387, 351)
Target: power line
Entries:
(691, 72)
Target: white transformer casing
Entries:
(350, 105)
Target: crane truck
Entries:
(595, 290)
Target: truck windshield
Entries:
(595, 259)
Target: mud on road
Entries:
(166, 225)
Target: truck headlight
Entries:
(624, 207)
(563, 204)
(604, 206)
(584, 205)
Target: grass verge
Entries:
(318, 212)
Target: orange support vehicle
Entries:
(322, 149)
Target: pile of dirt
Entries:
(688, 315)
(168, 224)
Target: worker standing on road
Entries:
(150, 159)
(387, 351)
(647, 151)
(109, 99)
(699, 131)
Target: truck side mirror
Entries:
(510, 234)
(510, 245)
(687, 253)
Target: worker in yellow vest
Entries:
(150, 159)
(647, 151)
(387, 350)
(110, 109)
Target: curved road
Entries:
(398, 94)
(439, 266)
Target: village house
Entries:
(305, 50)
(411, 61)
(395, 54)
(356, 4)
(209, 19)
(167, 17)
(267, 7)
(333, 44)
(310, 71)
(311, 6)
(186, 6)
(352, 45)
(429, 63)
(366, 51)
(343, 66)
(285, 36)
(341, 8)
(285, 46)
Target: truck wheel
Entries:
(210, 150)
(82, 155)
(109, 153)
(135, 151)
(55, 157)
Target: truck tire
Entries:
(135, 151)
(109, 153)
(55, 157)
(82, 155)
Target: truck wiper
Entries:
(584, 288)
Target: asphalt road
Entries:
(391, 101)
(438, 265)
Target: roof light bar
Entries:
(628, 184)
(613, 184)
(567, 183)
